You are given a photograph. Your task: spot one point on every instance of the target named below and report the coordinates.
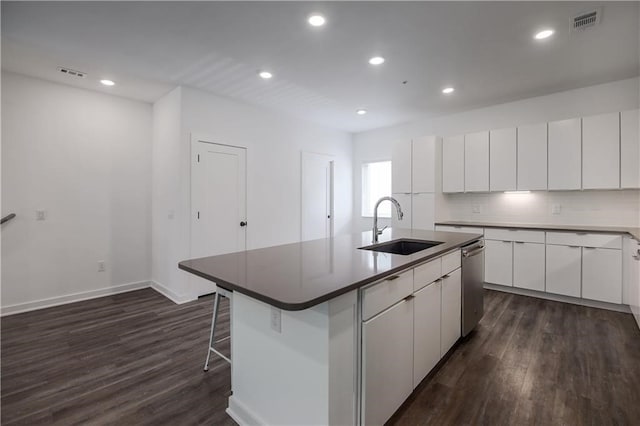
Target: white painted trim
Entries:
(170, 294)
(71, 298)
(559, 298)
(241, 414)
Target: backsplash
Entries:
(604, 208)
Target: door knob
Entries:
(243, 223)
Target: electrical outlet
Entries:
(556, 208)
(476, 208)
(41, 215)
(276, 320)
(101, 266)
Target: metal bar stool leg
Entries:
(214, 320)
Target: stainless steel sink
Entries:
(402, 246)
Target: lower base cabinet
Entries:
(498, 262)
(528, 265)
(426, 330)
(563, 271)
(388, 362)
(451, 311)
(602, 274)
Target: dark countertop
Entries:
(301, 275)
(634, 232)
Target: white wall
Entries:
(274, 145)
(83, 157)
(587, 207)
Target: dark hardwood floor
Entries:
(136, 358)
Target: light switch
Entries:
(555, 209)
(476, 208)
(41, 215)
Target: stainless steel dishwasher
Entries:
(472, 285)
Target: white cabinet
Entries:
(498, 262)
(451, 313)
(387, 362)
(462, 229)
(631, 276)
(422, 211)
(629, 149)
(426, 330)
(476, 162)
(423, 164)
(602, 274)
(453, 164)
(401, 167)
(532, 157)
(502, 160)
(565, 152)
(405, 203)
(563, 270)
(528, 265)
(601, 151)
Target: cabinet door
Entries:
(565, 151)
(498, 262)
(601, 151)
(453, 164)
(387, 362)
(405, 204)
(532, 157)
(630, 149)
(423, 164)
(423, 211)
(502, 160)
(602, 274)
(476, 162)
(528, 265)
(426, 330)
(451, 313)
(401, 167)
(563, 268)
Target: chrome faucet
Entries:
(377, 231)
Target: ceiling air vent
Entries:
(586, 20)
(72, 73)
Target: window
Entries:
(376, 183)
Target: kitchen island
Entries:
(323, 332)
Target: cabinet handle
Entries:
(409, 297)
(574, 246)
(590, 248)
(445, 276)
(519, 242)
(394, 277)
(505, 241)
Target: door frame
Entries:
(307, 155)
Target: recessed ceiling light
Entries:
(107, 82)
(316, 20)
(543, 34)
(265, 75)
(361, 111)
(376, 60)
(448, 90)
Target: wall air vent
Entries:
(72, 73)
(586, 20)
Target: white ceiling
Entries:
(484, 49)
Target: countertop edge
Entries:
(331, 295)
(633, 232)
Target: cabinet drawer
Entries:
(514, 235)
(380, 296)
(427, 273)
(464, 229)
(565, 238)
(450, 262)
(611, 241)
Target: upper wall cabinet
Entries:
(476, 162)
(401, 167)
(532, 157)
(453, 164)
(629, 149)
(565, 152)
(601, 151)
(423, 165)
(502, 160)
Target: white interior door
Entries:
(317, 196)
(218, 203)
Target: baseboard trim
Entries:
(170, 294)
(559, 298)
(71, 298)
(241, 414)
